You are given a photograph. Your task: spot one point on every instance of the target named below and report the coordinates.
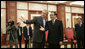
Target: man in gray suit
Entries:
(39, 33)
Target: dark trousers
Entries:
(83, 43)
(80, 42)
(43, 41)
(27, 42)
(51, 45)
(20, 39)
(39, 44)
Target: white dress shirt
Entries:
(28, 30)
(19, 31)
(53, 21)
(44, 22)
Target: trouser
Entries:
(83, 43)
(27, 42)
(51, 45)
(39, 44)
(43, 41)
(15, 41)
(20, 39)
(7, 39)
(80, 43)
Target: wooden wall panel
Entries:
(61, 13)
(11, 11)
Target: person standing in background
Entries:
(27, 33)
(12, 34)
(79, 29)
(19, 32)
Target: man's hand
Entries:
(41, 28)
(24, 38)
(22, 19)
(60, 43)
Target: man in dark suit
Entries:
(39, 33)
(19, 31)
(55, 31)
(79, 28)
(27, 32)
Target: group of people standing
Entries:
(15, 33)
(41, 25)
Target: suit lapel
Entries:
(51, 23)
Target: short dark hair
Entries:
(55, 13)
(79, 18)
(11, 22)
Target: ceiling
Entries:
(71, 3)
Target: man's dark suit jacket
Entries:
(79, 31)
(20, 31)
(55, 31)
(25, 32)
(37, 34)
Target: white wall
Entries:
(3, 21)
(3, 4)
(52, 8)
(24, 14)
(22, 5)
(67, 9)
(3, 17)
(36, 6)
(77, 10)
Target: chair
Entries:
(69, 35)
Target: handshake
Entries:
(42, 29)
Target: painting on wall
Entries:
(68, 20)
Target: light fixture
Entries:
(77, 3)
(41, 1)
(61, 1)
(49, 1)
